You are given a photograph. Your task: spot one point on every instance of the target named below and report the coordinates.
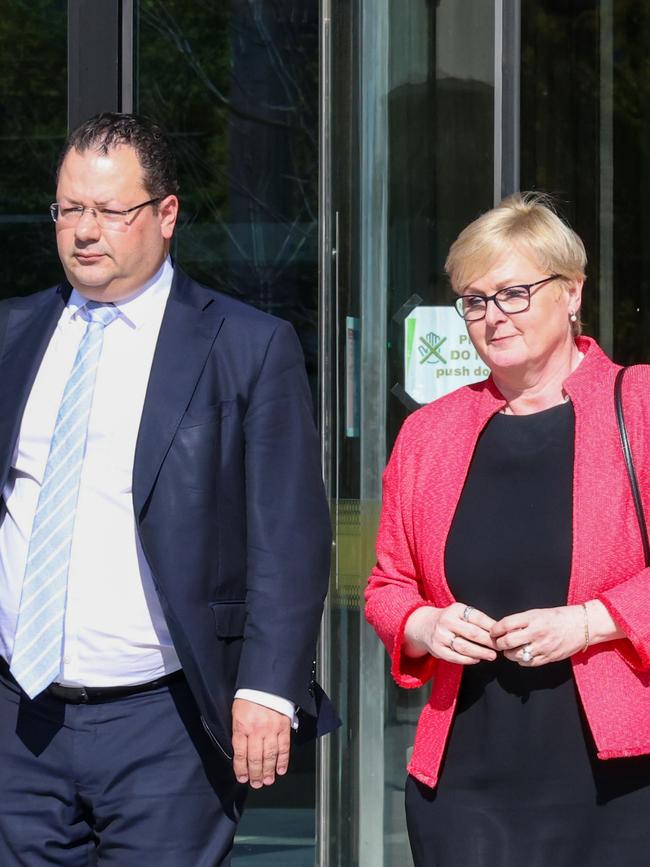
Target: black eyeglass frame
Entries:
(495, 297)
(55, 209)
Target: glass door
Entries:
(412, 160)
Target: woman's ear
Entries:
(574, 291)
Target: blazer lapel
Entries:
(30, 325)
(188, 330)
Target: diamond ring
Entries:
(468, 610)
(526, 653)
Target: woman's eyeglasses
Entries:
(509, 300)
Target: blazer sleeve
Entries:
(394, 590)
(628, 602)
(629, 605)
(288, 528)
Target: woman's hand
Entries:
(542, 635)
(458, 633)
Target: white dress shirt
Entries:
(115, 632)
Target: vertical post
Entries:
(325, 370)
(100, 58)
(511, 71)
(93, 58)
(606, 178)
(507, 76)
(373, 197)
(126, 83)
(498, 99)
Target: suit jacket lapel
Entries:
(189, 328)
(31, 323)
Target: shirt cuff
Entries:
(274, 702)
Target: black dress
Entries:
(520, 785)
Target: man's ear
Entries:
(168, 214)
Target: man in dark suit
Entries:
(164, 535)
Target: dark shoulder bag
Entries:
(627, 453)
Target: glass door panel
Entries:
(33, 93)
(236, 85)
(585, 136)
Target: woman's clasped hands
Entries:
(465, 635)
(458, 633)
(542, 635)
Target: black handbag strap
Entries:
(627, 454)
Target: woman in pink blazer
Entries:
(510, 574)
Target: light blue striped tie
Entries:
(38, 646)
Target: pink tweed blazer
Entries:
(422, 485)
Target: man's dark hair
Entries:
(109, 130)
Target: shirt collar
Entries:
(138, 308)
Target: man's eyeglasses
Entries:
(107, 218)
(509, 300)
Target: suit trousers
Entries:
(127, 782)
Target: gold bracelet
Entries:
(586, 619)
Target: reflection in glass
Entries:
(33, 90)
(586, 138)
(236, 85)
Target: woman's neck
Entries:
(534, 392)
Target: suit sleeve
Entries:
(288, 528)
(394, 590)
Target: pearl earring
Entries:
(573, 317)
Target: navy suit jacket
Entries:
(227, 491)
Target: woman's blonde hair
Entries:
(525, 223)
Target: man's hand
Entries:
(261, 740)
